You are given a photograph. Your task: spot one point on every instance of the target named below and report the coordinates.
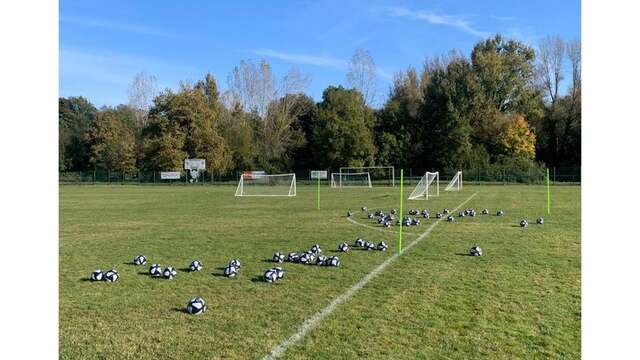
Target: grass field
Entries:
(520, 300)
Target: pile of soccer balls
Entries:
(108, 276)
(273, 274)
(231, 270)
(366, 245)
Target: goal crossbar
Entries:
(385, 173)
(347, 180)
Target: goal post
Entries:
(429, 185)
(361, 179)
(456, 183)
(260, 184)
(380, 175)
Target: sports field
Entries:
(520, 300)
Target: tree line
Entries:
(501, 106)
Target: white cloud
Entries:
(323, 61)
(113, 25)
(437, 19)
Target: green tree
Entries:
(343, 134)
(517, 138)
(75, 116)
(111, 141)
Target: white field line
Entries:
(379, 228)
(319, 316)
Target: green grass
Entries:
(520, 300)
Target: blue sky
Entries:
(103, 44)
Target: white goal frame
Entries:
(369, 169)
(456, 183)
(421, 191)
(339, 184)
(240, 192)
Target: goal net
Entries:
(379, 175)
(339, 180)
(456, 183)
(429, 185)
(260, 184)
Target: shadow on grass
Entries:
(463, 254)
(185, 270)
(180, 310)
(130, 263)
(86, 279)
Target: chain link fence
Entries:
(494, 175)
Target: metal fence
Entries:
(564, 175)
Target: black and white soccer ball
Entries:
(364, 208)
(344, 247)
(270, 276)
(394, 211)
(293, 257)
(475, 251)
(321, 260)
(155, 270)
(235, 263)
(485, 211)
(97, 275)
(169, 272)
(426, 215)
(415, 222)
(333, 261)
(140, 260)
(524, 223)
(230, 271)
(278, 257)
(406, 222)
(349, 213)
(450, 218)
(111, 276)
(304, 258)
(387, 224)
(461, 214)
(540, 221)
(438, 215)
(196, 306)
(195, 265)
(499, 213)
(279, 272)
(369, 246)
(380, 220)
(445, 211)
(382, 246)
(472, 212)
(370, 216)
(315, 249)
(359, 242)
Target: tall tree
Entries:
(362, 75)
(141, 92)
(549, 66)
(75, 116)
(112, 144)
(343, 135)
(252, 85)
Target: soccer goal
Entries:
(339, 180)
(379, 175)
(429, 185)
(260, 184)
(456, 183)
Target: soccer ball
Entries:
(196, 306)
(344, 247)
(369, 246)
(333, 261)
(139, 260)
(445, 211)
(386, 224)
(382, 246)
(278, 257)
(315, 249)
(97, 275)
(111, 275)
(500, 213)
(359, 242)
(524, 223)
(472, 212)
(270, 276)
(169, 272)
(155, 270)
(235, 263)
(279, 272)
(438, 216)
(461, 214)
(304, 258)
(450, 218)
(485, 211)
(475, 251)
(393, 211)
(321, 260)
(540, 221)
(364, 208)
(370, 216)
(230, 271)
(415, 222)
(349, 213)
(195, 265)
(293, 257)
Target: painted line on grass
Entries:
(310, 323)
(378, 228)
